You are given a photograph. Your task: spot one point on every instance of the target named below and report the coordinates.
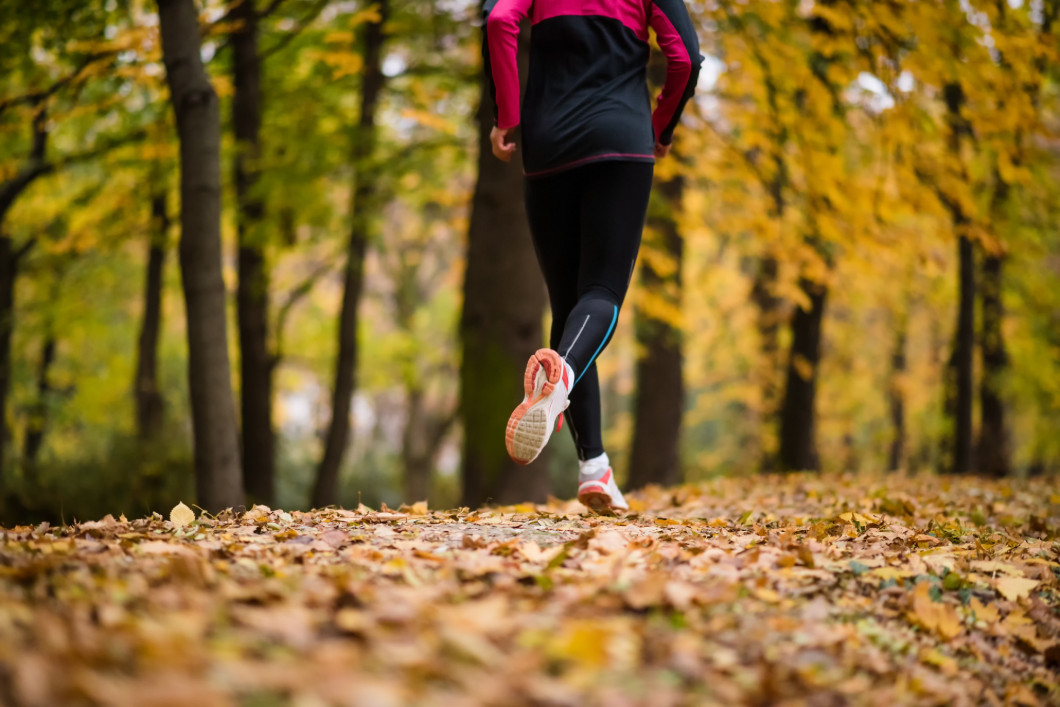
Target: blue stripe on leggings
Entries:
(614, 318)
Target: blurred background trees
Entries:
(851, 260)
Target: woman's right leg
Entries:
(614, 203)
(586, 226)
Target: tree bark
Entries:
(659, 405)
(767, 321)
(422, 438)
(364, 206)
(960, 383)
(150, 406)
(259, 457)
(8, 271)
(10, 190)
(218, 476)
(895, 394)
(500, 326)
(38, 414)
(994, 444)
(797, 417)
(962, 360)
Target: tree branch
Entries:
(37, 97)
(293, 297)
(313, 13)
(37, 166)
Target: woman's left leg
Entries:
(614, 203)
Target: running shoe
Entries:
(547, 382)
(597, 488)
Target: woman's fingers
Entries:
(502, 149)
(661, 150)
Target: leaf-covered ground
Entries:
(780, 590)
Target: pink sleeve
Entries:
(502, 32)
(682, 62)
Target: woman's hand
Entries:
(502, 149)
(661, 150)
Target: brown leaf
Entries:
(336, 538)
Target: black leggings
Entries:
(586, 224)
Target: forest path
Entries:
(764, 590)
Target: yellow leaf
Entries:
(181, 515)
(945, 664)
(939, 618)
(889, 573)
(419, 508)
(1014, 588)
(984, 612)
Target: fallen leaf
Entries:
(984, 612)
(181, 515)
(937, 617)
(1015, 588)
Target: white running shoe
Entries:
(547, 382)
(597, 488)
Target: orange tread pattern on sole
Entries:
(543, 359)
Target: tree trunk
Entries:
(150, 406)
(38, 414)
(655, 457)
(364, 207)
(8, 271)
(994, 444)
(797, 443)
(217, 471)
(10, 190)
(415, 456)
(421, 440)
(500, 326)
(959, 383)
(259, 458)
(961, 361)
(769, 306)
(895, 393)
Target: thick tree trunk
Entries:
(797, 442)
(150, 406)
(38, 414)
(962, 361)
(259, 458)
(994, 444)
(959, 383)
(217, 472)
(659, 405)
(10, 190)
(896, 394)
(326, 488)
(8, 270)
(500, 327)
(768, 316)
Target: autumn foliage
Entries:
(801, 590)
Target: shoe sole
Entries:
(597, 501)
(528, 427)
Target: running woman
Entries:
(590, 140)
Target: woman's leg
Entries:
(613, 205)
(553, 208)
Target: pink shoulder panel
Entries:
(631, 13)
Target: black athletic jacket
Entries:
(586, 93)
